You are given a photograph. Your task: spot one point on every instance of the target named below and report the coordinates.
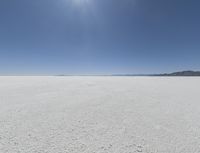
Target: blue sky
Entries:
(44, 37)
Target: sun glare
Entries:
(83, 5)
(80, 2)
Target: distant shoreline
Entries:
(174, 74)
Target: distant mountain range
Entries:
(182, 73)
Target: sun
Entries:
(81, 2)
(83, 6)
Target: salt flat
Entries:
(99, 114)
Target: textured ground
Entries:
(99, 115)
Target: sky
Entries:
(52, 37)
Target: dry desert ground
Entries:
(52, 114)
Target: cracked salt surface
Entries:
(99, 115)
